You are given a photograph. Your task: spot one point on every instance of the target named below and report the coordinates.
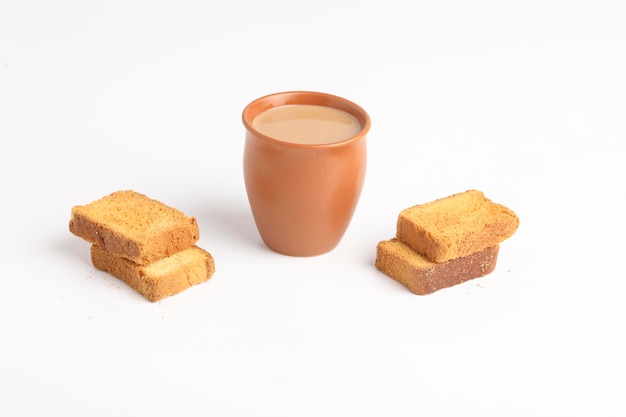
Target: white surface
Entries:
(523, 100)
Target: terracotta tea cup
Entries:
(303, 195)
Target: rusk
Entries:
(455, 226)
(163, 278)
(413, 270)
(131, 225)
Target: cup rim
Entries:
(269, 101)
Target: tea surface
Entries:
(307, 124)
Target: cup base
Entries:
(300, 253)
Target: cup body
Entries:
(302, 196)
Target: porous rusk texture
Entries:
(413, 270)
(456, 226)
(129, 224)
(163, 278)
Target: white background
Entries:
(524, 100)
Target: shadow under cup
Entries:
(303, 196)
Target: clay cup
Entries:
(303, 196)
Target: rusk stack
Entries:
(446, 242)
(145, 243)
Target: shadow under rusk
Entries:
(72, 246)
